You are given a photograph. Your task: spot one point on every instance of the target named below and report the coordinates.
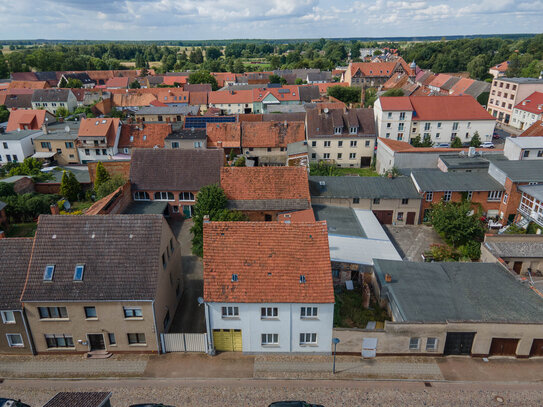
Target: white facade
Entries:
(51, 107)
(15, 148)
(288, 325)
(523, 119)
(234, 108)
(402, 126)
(523, 148)
(345, 151)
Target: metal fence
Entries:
(184, 342)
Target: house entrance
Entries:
(96, 342)
(458, 343)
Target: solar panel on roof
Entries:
(283, 90)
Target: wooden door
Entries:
(384, 217)
(410, 218)
(227, 340)
(537, 348)
(503, 347)
(517, 267)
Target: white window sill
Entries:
(230, 318)
(10, 322)
(310, 318)
(54, 319)
(269, 318)
(137, 344)
(63, 348)
(309, 345)
(91, 319)
(133, 318)
(16, 346)
(275, 345)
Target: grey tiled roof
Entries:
(79, 399)
(503, 247)
(269, 205)
(362, 187)
(323, 124)
(15, 255)
(187, 134)
(477, 87)
(146, 208)
(175, 170)
(19, 101)
(438, 292)
(435, 180)
(121, 254)
(17, 134)
(309, 93)
(51, 95)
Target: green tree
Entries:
(6, 189)
(4, 69)
(74, 83)
(203, 77)
(370, 97)
(457, 143)
(299, 81)
(109, 186)
(196, 56)
(475, 140)
(211, 201)
(135, 84)
(393, 92)
(478, 67)
(416, 141)
(240, 161)
(213, 53)
(457, 222)
(345, 94)
(62, 112)
(101, 175)
(4, 114)
(70, 188)
(238, 66)
(275, 62)
(323, 168)
(277, 79)
(29, 166)
(426, 141)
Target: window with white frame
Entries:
(426, 126)
(164, 196)
(447, 196)
(455, 126)
(429, 196)
(340, 143)
(400, 136)
(268, 312)
(495, 195)
(326, 156)
(59, 341)
(400, 126)
(141, 196)
(136, 339)
(337, 130)
(230, 312)
(367, 143)
(132, 312)
(431, 344)
(309, 312)
(353, 130)
(8, 317)
(414, 343)
(15, 340)
(352, 156)
(353, 143)
(402, 115)
(270, 339)
(389, 125)
(308, 339)
(186, 196)
(327, 143)
(405, 201)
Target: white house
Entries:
(272, 295)
(442, 118)
(523, 148)
(98, 139)
(52, 99)
(17, 145)
(528, 111)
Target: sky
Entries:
(227, 19)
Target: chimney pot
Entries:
(54, 209)
(2, 234)
(206, 218)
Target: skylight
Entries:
(302, 279)
(48, 274)
(234, 277)
(78, 273)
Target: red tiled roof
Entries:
(225, 135)
(392, 103)
(268, 259)
(305, 215)
(461, 86)
(158, 103)
(378, 68)
(117, 82)
(271, 134)
(265, 183)
(323, 87)
(501, 67)
(28, 85)
(439, 80)
(338, 72)
(221, 77)
(145, 135)
(126, 99)
(32, 118)
(171, 95)
(230, 96)
(172, 80)
(198, 98)
(463, 107)
(280, 94)
(396, 81)
(100, 127)
(535, 130)
(532, 104)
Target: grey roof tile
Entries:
(15, 255)
(435, 180)
(362, 187)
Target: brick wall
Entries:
(477, 197)
(112, 167)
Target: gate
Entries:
(458, 343)
(227, 340)
(184, 342)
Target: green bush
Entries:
(471, 250)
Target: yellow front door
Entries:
(227, 340)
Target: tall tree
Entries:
(101, 175)
(203, 77)
(70, 188)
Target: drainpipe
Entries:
(159, 350)
(210, 347)
(29, 338)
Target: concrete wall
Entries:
(288, 325)
(17, 328)
(275, 156)
(387, 124)
(523, 119)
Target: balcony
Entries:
(530, 214)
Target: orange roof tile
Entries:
(100, 127)
(378, 68)
(462, 107)
(265, 183)
(28, 85)
(271, 134)
(284, 93)
(225, 135)
(395, 103)
(439, 80)
(323, 87)
(396, 81)
(127, 99)
(198, 98)
(305, 215)
(230, 97)
(501, 67)
(532, 104)
(172, 80)
(268, 259)
(117, 82)
(171, 95)
(33, 119)
(145, 135)
(461, 86)
(535, 130)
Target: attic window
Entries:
(144, 138)
(48, 274)
(302, 279)
(97, 122)
(104, 121)
(234, 278)
(78, 273)
(131, 138)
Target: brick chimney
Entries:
(54, 209)
(388, 278)
(206, 218)
(2, 234)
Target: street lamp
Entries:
(335, 341)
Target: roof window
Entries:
(49, 271)
(78, 273)
(97, 122)
(234, 278)
(302, 279)
(104, 121)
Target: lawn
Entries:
(22, 229)
(81, 205)
(363, 172)
(349, 313)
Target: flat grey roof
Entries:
(517, 246)
(522, 170)
(439, 292)
(299, 147)
(533, 190)
(182, 110)
(362, 187)
(340, 220)
(521, 80)
(435, 180)
(146, 208)
(17, 135)
(82, 175)
(14, 178)
(58, 131)
(458, 162)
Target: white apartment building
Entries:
(442, 118)
(506, 93)
(528, 111)
(16, 145)
(523, 148)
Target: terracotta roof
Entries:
(393, 103)
(501, 67)
(463, 107)
(24, 76)
(121, 254)
(15, 255)
(158, 104)
(378, 68)
(228, 134)
(79, 93)
(175, 170)
(323, 87)
(535, 130)
(439, 80)
(461, 86)
(197, 87)
(532, 104)
(270, 267)
(32, 119)
(100, 127)
(306, 215)
(230, 97)
(171, 95)
(132, 99)
(284, 93)
(198, 98)
(271, 134)
(28, 85)
(145, 135)
(265, 183)
(172, 80)
(117, 82)
(338, 72)
(396, 81)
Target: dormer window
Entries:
(337, 130)
(353, 130)
(131, 139)
(234, 278)
(49, 271)
(78, 273)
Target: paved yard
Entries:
(412, 241)
(189, 317)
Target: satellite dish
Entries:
(67, 129)
(325, 110)
(200, 300)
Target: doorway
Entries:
(459, 343)
(517, 267)
(537, 348)
(96, 342)
(503, 347)
(410, 218)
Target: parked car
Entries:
(293, 404)
(442, 145)
(12, 403)
(487, 144)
